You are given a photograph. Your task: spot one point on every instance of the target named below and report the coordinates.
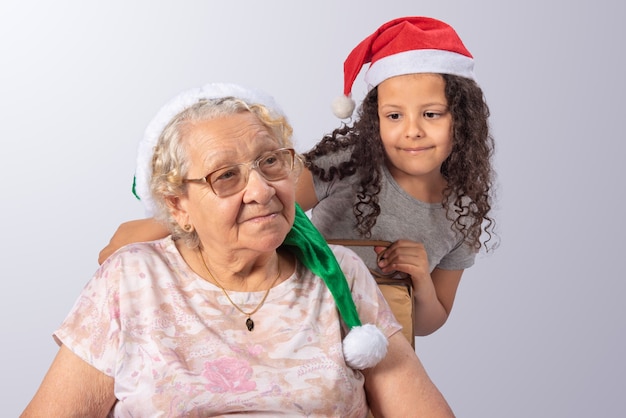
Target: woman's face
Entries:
(415, 125)
(256, 218)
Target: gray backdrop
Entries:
(538, 326)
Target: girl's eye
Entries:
(431, 115)
(393, 116)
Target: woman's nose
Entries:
(258, 188)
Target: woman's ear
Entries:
(178, 211)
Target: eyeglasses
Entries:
(273, 166)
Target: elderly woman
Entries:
(244, 308)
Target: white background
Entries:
(538, 329)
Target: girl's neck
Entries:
(427, 188)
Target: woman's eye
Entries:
(228, 174)
(270, 160)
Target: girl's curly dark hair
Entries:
(468, 169)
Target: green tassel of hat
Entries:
(134, 190)
(311, 249)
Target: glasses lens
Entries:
(276, 165)
(228, 180)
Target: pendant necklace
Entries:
(249, 321)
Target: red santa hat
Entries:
(407, 45)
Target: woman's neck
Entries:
(235, 272)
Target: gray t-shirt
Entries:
(401, 217)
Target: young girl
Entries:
(414, 169)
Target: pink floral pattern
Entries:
(228, 375)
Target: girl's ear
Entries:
(178, 211)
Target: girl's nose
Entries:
(414, 128)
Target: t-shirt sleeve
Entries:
(91, 330)
(460, 258)
(370, 303)
(324, 188)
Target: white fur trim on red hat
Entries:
(420, 61)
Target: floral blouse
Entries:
(176, 346)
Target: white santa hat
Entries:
(407, 45)
(182, 101)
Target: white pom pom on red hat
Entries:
(343, 106)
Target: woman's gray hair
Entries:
(170, 160)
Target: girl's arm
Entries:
(446, 283)
(72, 388)
(133, 231)
(399, 386)
(433, 293)
(305, 191)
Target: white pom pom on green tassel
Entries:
(364, 347)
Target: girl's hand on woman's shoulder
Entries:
(139, 230)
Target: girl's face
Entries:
(415, 126)
(255, 219)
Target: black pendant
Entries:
(250, 324)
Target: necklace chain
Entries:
(249, 321)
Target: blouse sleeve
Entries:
(91, 330)
(370, 303)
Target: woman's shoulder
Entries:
(143, 252)
(343, 253)
(351, 264)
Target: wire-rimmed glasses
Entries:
(273, 166)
